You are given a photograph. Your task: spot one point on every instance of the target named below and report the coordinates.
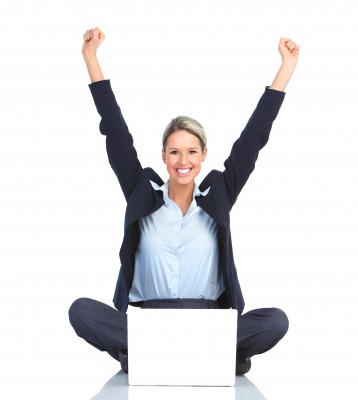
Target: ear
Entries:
(205, 152)
(164, 156)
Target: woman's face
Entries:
(183, 157)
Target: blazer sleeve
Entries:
(122, 155)
(245, 151)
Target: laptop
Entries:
(182, 347)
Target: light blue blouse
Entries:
(177, 257)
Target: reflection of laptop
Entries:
(182, 347)
(182, 393)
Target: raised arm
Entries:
(122, 155)
(253, 138)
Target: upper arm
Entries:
(119, 142)
(244, 153)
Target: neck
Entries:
(182, 195)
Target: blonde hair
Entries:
(187, 124)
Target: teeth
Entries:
(183, 171)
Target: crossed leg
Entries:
(105, 328)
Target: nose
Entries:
(183, 159)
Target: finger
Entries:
(288, 43)
(96, 33)
(99, 34)
(86, 36)
(292, 46)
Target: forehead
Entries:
(182, 138)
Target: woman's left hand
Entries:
(289, 51)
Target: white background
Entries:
(61, 209)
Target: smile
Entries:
(184, 172)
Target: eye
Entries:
(175, 152)
(192, 152)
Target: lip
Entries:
(184, 171)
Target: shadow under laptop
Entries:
(117, 388)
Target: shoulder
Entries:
(216, 202)
(142, 186)
(214, 178)
(147, 175)
(144, 199)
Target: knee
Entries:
(77, 311)
(280, 322)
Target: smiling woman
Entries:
(177, 246)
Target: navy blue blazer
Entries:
(143, 200)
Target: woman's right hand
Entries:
(289, 50)
(92, 39)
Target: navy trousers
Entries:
(105, 327)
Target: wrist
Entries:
(89, 55)
(289, 63)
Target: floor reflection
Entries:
(117, 388)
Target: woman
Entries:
(176, 250)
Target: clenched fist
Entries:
(289, 50)
(92, 39)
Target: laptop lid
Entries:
(182, 347)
